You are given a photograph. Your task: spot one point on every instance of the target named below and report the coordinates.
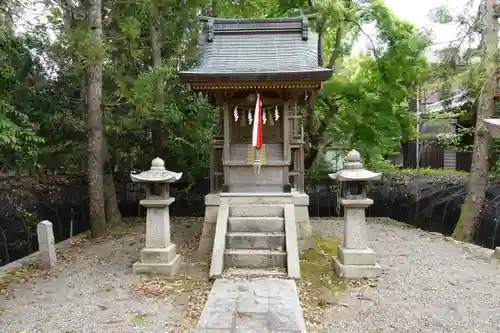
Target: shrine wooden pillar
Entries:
(286, 144)
(227, 142)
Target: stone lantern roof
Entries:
(493, 126)
(354, 171)
(157, 174)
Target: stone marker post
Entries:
(46, 244)
(159, 255)
(355, 259)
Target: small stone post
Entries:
(46, 244)
(159, 255)
(355, 259)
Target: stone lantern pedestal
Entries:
(159, 256)
(355, 259)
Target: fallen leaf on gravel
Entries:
(188, 291)
(21, 275)
(138, 320)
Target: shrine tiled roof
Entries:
(236, 50)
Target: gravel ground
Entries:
(93, 290)
(429, 284)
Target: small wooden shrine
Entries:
(245, 60)
(259, 72)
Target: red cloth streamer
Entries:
(257, 124)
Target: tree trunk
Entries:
(213, 11)
(317, 135)
(478, 181)
(156, 129)
(113, 215)
(95, 122)
(320, 45)
(68, 8)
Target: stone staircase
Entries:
(258, 239)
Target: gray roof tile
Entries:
(257, 48)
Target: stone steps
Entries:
(257, 198)
(256, 240)
(256, 224)
(255, 243)
(246, 258)
(255, 273)
(256, 210)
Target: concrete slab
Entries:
(263, 305)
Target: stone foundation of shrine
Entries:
(253, 201)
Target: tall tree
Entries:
(95, 121)
(158, 134)
(478, 181)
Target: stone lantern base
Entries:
(162, 261)
(159, 256)
(355, 259)
(356, 264)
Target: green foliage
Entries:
(147, 100)
(185, 119)
(381, 165)
(317, 174)
(387, 168)
(148, 113)
(431, 172)
(130, 90)
(441, 14)
(370, 96)
(18, 135)
(495, 169)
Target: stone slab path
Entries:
(259, 305)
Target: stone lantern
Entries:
(493, 127)
(159, 255)
(355, 259)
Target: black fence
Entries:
(430, 203)
(24, 204)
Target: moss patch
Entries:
(319, 284)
